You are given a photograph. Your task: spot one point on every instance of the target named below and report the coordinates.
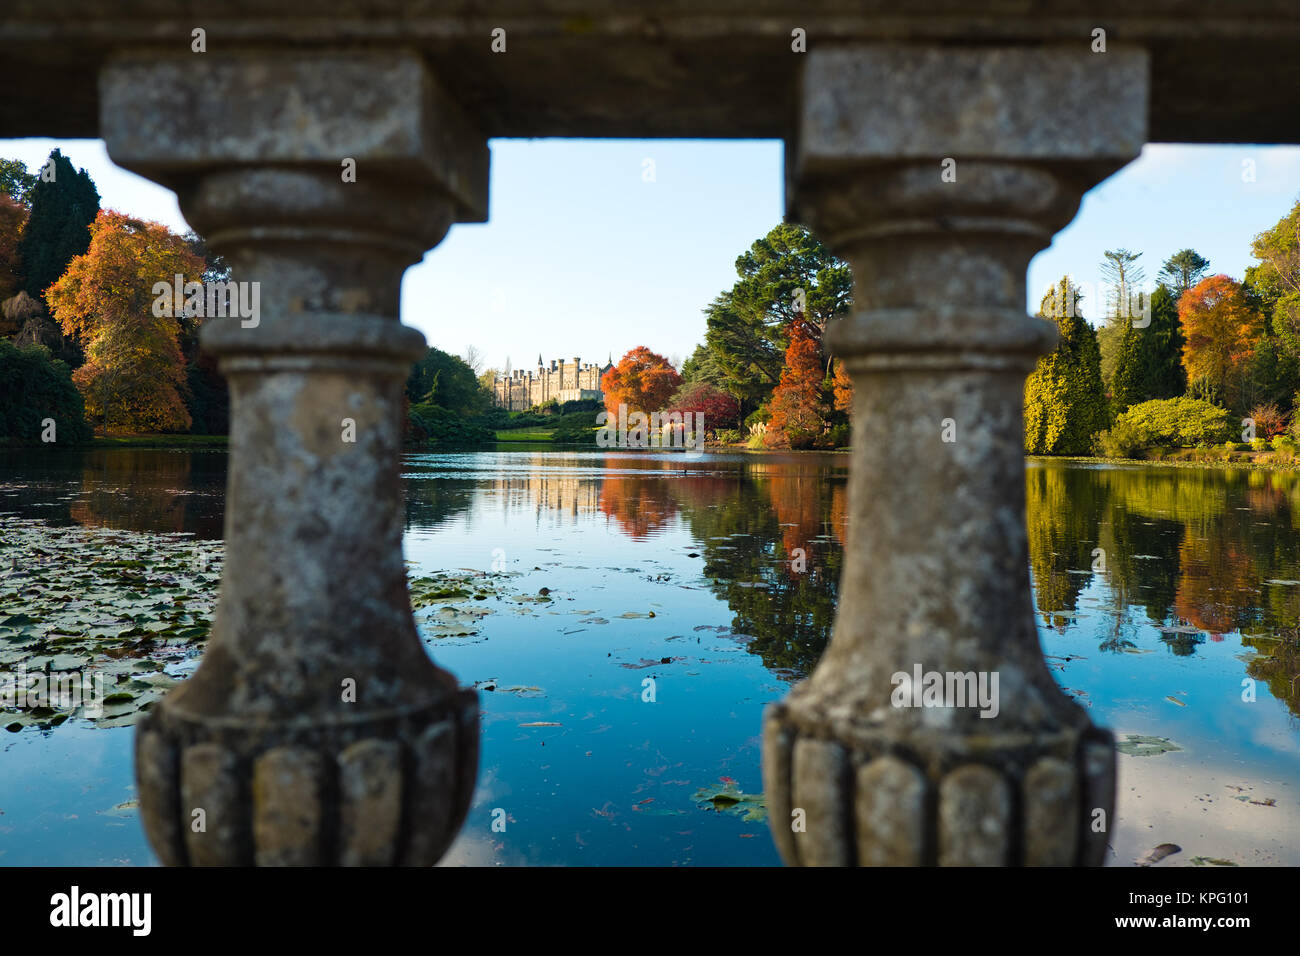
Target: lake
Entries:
(1165, 597)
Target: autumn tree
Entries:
(135, 371)
(797, 412)
(718, 408)
(1219, 328)
(642, 380)
(13, 217)
(786, 275)
(842, 387)
(1065, 404)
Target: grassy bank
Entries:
(524, 434)
(1263, 461)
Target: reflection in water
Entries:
(1158, 591)
(155, 490)
(773, 545)
(1198, 552)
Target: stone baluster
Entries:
(938, 348)
(316, 729)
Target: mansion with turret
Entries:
(561, 381)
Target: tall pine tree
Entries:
(64, 203)
(1163, 375)
(1128, 385)
(1149, 360)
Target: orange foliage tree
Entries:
(642, 380)
(842, 387)
(1219, 329)
(797, 416)
(134, 369)
(13, 216)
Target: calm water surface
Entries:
(1159, 591)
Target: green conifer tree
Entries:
(1065, 404)
(1129, 384)
(1162, 353)
(63, 205)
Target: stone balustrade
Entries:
(935, 147)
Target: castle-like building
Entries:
(562, 381)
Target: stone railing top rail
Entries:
(1221, 72)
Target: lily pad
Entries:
(729, 798)
(1139, 745)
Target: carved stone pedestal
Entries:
(937, 173)
(316, 730)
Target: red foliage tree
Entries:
(797, 413)
(1269, 420)
(719, 409)
(642, 380)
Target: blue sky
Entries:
(585, 256)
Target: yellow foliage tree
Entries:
(134, 369)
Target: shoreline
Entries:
(1166, 463)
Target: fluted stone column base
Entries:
(871, 798)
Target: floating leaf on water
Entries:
(1158, 853)
(1140, 745)
(729, 798)
(124, 809)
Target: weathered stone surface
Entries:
(314, 674)
(434, 786)
(938, 346)
(778, 747)
(1051, 801)
(712, 68)
(890, 813)
(165, 116)
(157, 774)
(896, 103)
(1098, 797)
(289, 808)
(974, 818)
(821, 788)
(211, 784)
(370, 799)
